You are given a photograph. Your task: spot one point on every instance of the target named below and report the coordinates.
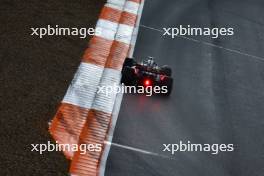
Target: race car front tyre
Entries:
(166, 70)
(127, 76)
(129, 62)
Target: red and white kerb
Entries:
(84, 116)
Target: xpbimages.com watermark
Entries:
(50, 147)
(146, 90)
(188, 30)
(57, 30)
(191, 147)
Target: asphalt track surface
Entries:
(218, 94)
(34, 76)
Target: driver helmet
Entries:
(150, 61)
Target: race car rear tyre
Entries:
(166, 70)
(129, 62)
(168, 82)
(128, 76)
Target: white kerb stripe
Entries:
(119, 3)
(114, 6)
(105, 100)
(83, 87)
(131, 7)
(124, 33)
(107, 29)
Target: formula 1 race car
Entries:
(146, 73)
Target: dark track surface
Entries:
(218, 94)
(34, 76)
